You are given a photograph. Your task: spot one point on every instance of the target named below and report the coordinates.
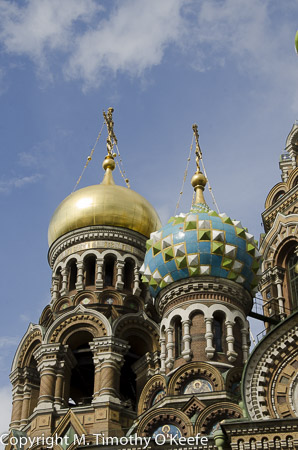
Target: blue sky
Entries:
(228, 65)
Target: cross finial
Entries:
(111, 139)
(198, 149)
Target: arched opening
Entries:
(252, 443)
(292, 269)
(218, 332)
(128, 274)
(81, 383)
(59, 276)
(264, 443)
(276, 441)
(89, 273)
(178, 337)
(277, 196)
(240, 444)
(109, 271)
(133, 375)
(72, 277)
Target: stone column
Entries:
(186, 353)
(210, 350)
(136, 281)
(170, 348)
(64, 273)
(245, 346)
(99, 278)
(80, 276)
(47, 358)
(16, 378)
(55, 288)
(119, 277)
(162, 341)
(232, 355)
(25, 405)
(108, 360)
(279, 275)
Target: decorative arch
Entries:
(161, 416)
(139, 323)
(272, 197)
(214, 414)
(31, 341)
(292, 181)
(194, 370)
(233, 380)
(72, 321)
(155, 385)
(63, 303)
(85, 298)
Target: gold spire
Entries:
(198, 180)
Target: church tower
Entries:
(82, 368)
(202, 269)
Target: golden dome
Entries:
(104, 204)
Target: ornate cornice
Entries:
(99, 235)
(203, 288)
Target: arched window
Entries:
(90, 263)
(59, 276)
(109, 271)
(289, 441)
(128, 274)
(277, 196)
(292, 266)
(217, 333)
(240, 444)
(72, 277)
(276, 441)
(264, 443)
(178, 337)
(81, 383)
(252, 443)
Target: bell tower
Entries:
(82, 367)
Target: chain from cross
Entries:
(111, 139)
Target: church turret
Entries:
(95, 347)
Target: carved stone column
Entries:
(55, 288)
(108, 359)
(232, 355)
(210, 350)
(16, 379)
(63, 373)
(80, 276)
(245, 346)
(170, 348)
(136, 281)
(186, 353)
(64, 273)
(162, 341)
(47, 357)
(279, 276)
(99, 278)
(119, 276)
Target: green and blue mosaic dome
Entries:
(201, 243)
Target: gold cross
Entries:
(111, 139)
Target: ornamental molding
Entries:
(288, 199)
(204, 289)
(275, 235)
(263, 362)
(128, 240)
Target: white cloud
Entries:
(133, 39)
(5, 410)
(42, 26)
(18, 182)
(102, 39)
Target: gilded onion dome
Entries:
(201, 243)
(104, 204)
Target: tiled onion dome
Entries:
(201, 243)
